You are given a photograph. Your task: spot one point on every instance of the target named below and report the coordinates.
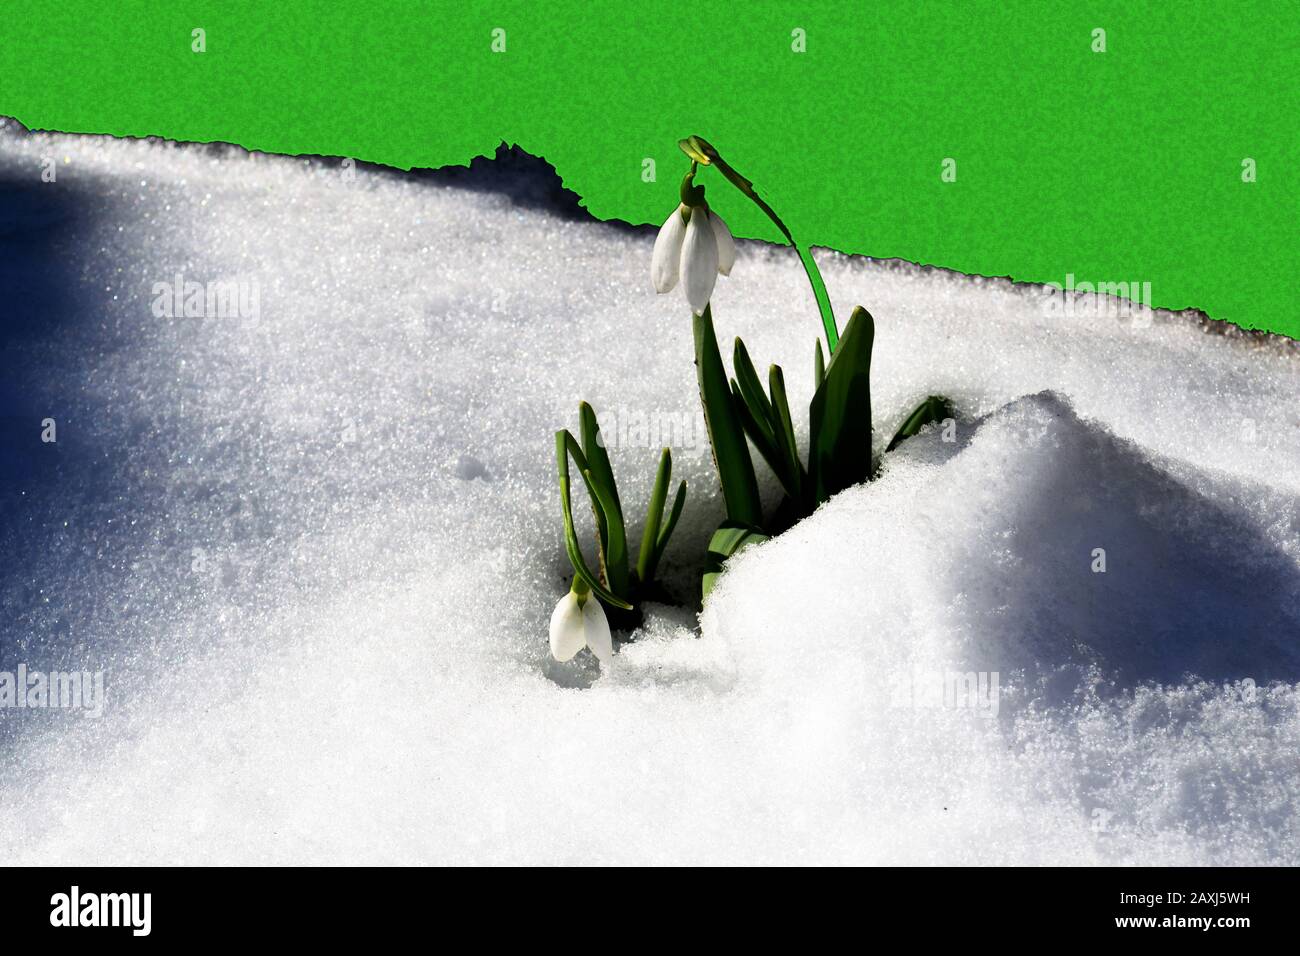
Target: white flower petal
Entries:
(596, 626)
(726, 244)
(699, 261)
(668, 252)
(567, 628)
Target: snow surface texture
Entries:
(316, 551)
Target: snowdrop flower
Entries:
(694, 251)
(577, 624)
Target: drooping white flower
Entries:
(694, 251)
(574, 627)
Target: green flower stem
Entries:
(692, 194)
(823, 298)
(702, 152)
(580, 590)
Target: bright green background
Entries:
(1122, 166)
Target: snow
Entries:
(315, 550)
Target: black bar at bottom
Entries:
(213, 905)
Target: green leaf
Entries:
(679, 501)
(819, 367)
(726, 434)
(600, 481)
(751, 389)
(839, 452)
(729, 539)
(616, 546)
(768, 426)
(597, 457)
(936, 408)
(646, 558)
(785, 440)
(566, 445)
(597, 512)
(759, 433)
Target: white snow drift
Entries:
(316, 554)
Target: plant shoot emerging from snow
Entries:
(692, 248)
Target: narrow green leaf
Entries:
(646, 557)
(759, 433)
(565, 444)
(751, 389)
(726, 434)
(600, 479)
(936, 408)
(785, 440)
(597, 457)
(679, 502)
(819, 367)
(597, 512)
(839, 452)
(616, 547)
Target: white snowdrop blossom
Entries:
(694, 252)
(574, 627)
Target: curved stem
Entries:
(701, 151)
(822, 296)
